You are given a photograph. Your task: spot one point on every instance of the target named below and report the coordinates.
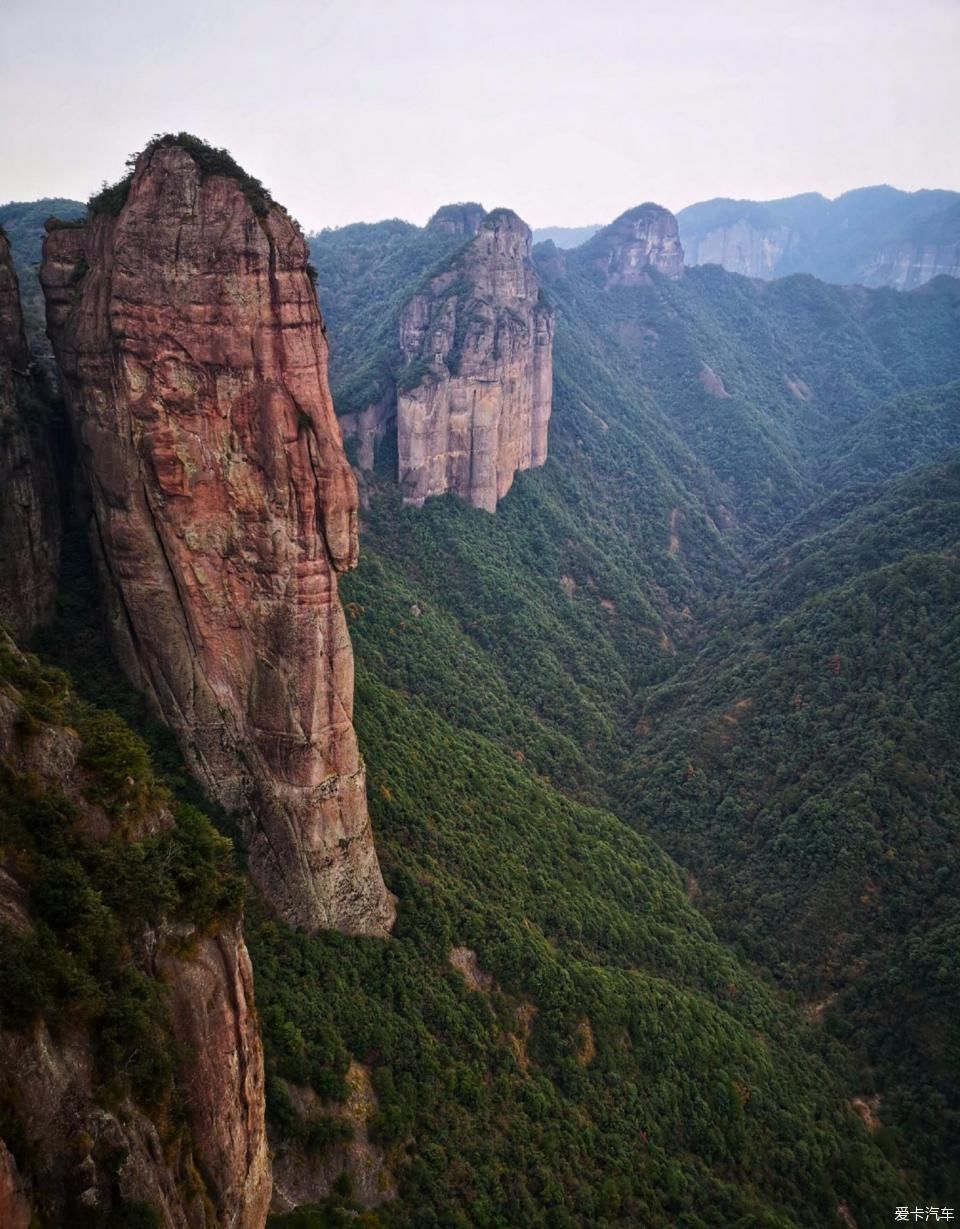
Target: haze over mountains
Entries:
(871, 236)
(876, 236)
(547, 818)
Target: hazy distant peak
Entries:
(565, 237)
(877, 235)
(462, 218)
(649, 211)
(641, 239)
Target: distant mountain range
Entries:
(651, 755)
(872, 236)
(566, 236)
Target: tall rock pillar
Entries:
(193, 362)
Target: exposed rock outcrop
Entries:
(302, 1178)
(193, 363)
(214, 1023)
(776, 250)
(744, 248)
(873, 237)
(30, 508)
(640, 240)
(16, 1210)
(474, 396)
(86, 1150)
(201, 1162)
(464, 219)
(909, 264)
(368, 427)
(13, 341)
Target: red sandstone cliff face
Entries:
(79, 1146)
(214, 1023)
(193, 362)
(29, 509)
(642, 239)
(474, 399)
(92, 1152)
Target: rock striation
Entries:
(909, 264)
(464, 219)
(873, 237)
(30, 508)
(474, 393)
(642, 240)
(193, 363)
(743, 248)
(199, 1163)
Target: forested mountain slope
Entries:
(713, 513)
(605, 1061)
(122, 968)
(875, 236)
(804, 767)
(758, 379)
(661, 763)
(553, 1033)
(365, 264)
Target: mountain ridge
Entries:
(671, 635)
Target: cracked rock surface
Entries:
(193, 364)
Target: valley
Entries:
(577, 764)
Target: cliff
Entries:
(642, 239)
(474, 392)
(29, 511)
(754, 251)
(23, 222)
(874, 237)
(131, 1068)
(304, 1176)
(462, 220)
(909, 263)
(193, 363)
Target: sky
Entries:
(569, 113)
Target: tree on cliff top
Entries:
(211, 159)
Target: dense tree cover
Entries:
(89, 901)
(365, 274)
(700, 1099)
(911, 429)
(730, 536)
(760, 380)
(804, 766)
(683, 549)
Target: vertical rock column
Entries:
(30, 507)
(194, 367)
(482, 335)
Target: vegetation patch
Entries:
(211, 160)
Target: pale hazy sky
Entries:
(567, 112)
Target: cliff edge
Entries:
(131, 1066)
(642, 239)
(474, 394)
(30, 508)
(193, 363)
